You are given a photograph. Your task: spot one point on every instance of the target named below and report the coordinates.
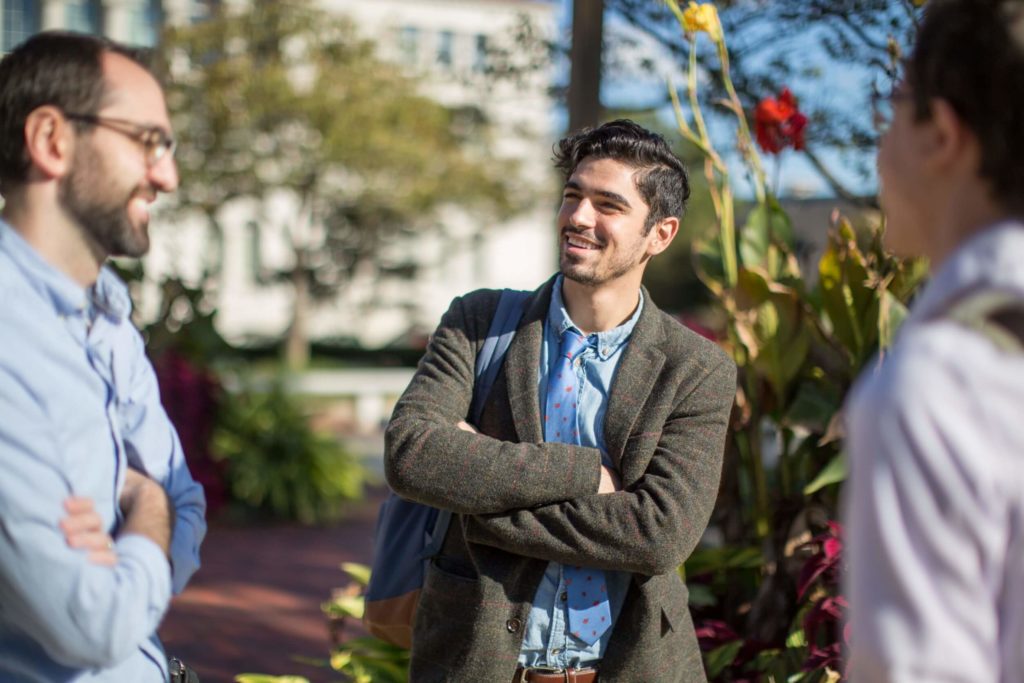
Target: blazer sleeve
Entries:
(428, 459)
(652, 525)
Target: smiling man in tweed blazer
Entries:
(619, 498)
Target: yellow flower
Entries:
(703, 17)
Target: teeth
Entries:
(582, 244)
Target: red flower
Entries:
(779, 124)
(826, 559)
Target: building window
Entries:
(21, 19)
(409, 44)
(480, 54)
(445, 40)
(83, 16)
(145, 19)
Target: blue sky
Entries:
(795, 173)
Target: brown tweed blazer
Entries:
(521, 502)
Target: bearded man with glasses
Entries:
(100, 520)
(935, 501)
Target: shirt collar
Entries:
(606, 342)
(108, 295)
(990, 259)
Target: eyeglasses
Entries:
(156, 142)
(881, 105)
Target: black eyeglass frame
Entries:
(154, 140)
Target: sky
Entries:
(794, 175)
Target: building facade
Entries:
(447, 45)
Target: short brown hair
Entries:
(970, 53)
(56, 68)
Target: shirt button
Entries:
(563, 597)
(605, 351)
(556, 651)
(513, 625)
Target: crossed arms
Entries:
(542, 500)
(87, 604)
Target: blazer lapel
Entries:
(522, 367)
(641, 364)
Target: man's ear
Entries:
(48, 142)
(950, 142)
(662, 234)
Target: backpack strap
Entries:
(511, 305)
(997, 315)
(506, 319)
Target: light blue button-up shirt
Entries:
(79, 404)
(548, 641)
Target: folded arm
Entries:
(429, 459)
(653, 524)
(154, 450)
(83, 613)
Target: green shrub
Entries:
(277, 465)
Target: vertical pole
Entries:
(585, 78)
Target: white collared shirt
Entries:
(935, 498)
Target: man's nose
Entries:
(583, 213)
(163, 175)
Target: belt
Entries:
(543, 674)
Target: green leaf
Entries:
(707, 254)
(796, 639)
(752, 288)
(755, 238)
(359, 572)
(345, 606)
(783, 340)
(721, 657)
(708, 560)
(891, 314)
(832, 473)
(701, 595)
(766, 237)
(813, 407)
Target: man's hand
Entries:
(466, 427)
(146, 509)
(610, 482)
(83, 529)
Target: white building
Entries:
(444, 42)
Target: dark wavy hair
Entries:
(970, 53)
(57, 68)
(661, 180)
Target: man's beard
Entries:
(88, 196)
(595, 274)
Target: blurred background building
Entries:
(397, 298)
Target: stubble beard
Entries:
(599, 272)
(88, 196)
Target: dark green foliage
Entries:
(277, 465)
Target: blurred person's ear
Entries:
(947, 143)
(48, 142)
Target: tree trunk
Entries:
(296, 347)
(585, 78)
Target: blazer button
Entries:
(513, 625)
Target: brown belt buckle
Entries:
(567, 675)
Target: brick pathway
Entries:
(255, 603)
